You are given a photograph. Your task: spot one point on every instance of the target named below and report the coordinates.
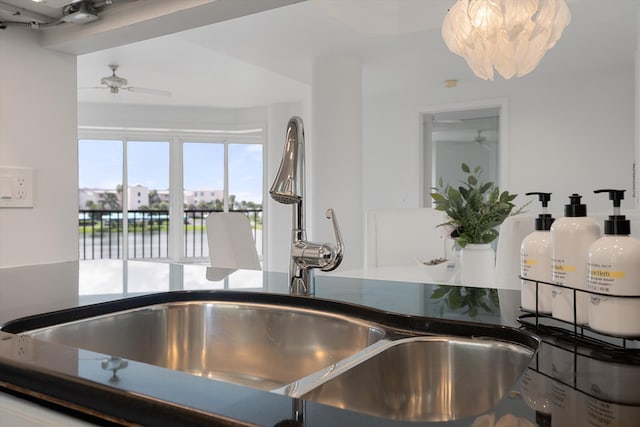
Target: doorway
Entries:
(453, 135)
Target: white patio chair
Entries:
(231, 245)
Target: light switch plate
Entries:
(16, 187)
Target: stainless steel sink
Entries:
(428, 379)
(387, 365)
(258, 345)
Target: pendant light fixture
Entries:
(511, 36)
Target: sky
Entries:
(101, 164)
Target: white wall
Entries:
(574, 134)
(637, 111)
(335, 155)
(570, 133)
(165, 117)
(38, 130)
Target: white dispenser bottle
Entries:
(535, 262)
(571, 237)
(614, 269)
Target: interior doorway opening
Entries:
(456, 135)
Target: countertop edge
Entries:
(100, 402)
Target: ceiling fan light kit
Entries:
(113, 82)
(510, 36)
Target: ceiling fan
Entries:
(116, 83)
(479, 139)
(482, 140)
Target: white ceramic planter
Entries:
(477, 265)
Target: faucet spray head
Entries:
(288, 185)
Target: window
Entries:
(207, 176)
(103, 200)
(100, 165)
(245, 175)
(230, 175)
(245, 185)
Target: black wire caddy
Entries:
(596, 371)
(583, 334)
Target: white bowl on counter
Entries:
(439, 269)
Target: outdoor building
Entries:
(163, 195)
(138, 195)
(88, 195)
(98, 198)
(206, 196)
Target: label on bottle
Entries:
(560, 270)
(602, 277)
(527, 266)
(601, 414)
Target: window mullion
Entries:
(125, 218)
(227, 199)
(176, 199)
(125, 200)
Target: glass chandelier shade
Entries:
(511, 36)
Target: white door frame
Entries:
(503, 147)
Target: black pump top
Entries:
(575, 208)
(544, 220)
(617, 224)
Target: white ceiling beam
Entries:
(145, 19)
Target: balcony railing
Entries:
(102, 236)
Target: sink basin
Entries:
(428, 379)
(382, 364)
(258, 345)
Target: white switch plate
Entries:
(16, 187)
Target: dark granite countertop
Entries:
(567, 384)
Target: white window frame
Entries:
(247, 134)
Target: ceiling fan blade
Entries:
(92, 87)
(147, 90)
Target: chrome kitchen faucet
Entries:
(288, 188)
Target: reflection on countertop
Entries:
(566, 384)
(573, 384)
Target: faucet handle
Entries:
(339, 246)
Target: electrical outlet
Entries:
(16, 187)
(21, 192)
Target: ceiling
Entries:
(43, 11)
(267, 57)
(27, 10)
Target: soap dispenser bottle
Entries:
(571, 237)
(535, 261)
(614, 269)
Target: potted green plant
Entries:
(474, 210)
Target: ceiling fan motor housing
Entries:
(114, 82)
